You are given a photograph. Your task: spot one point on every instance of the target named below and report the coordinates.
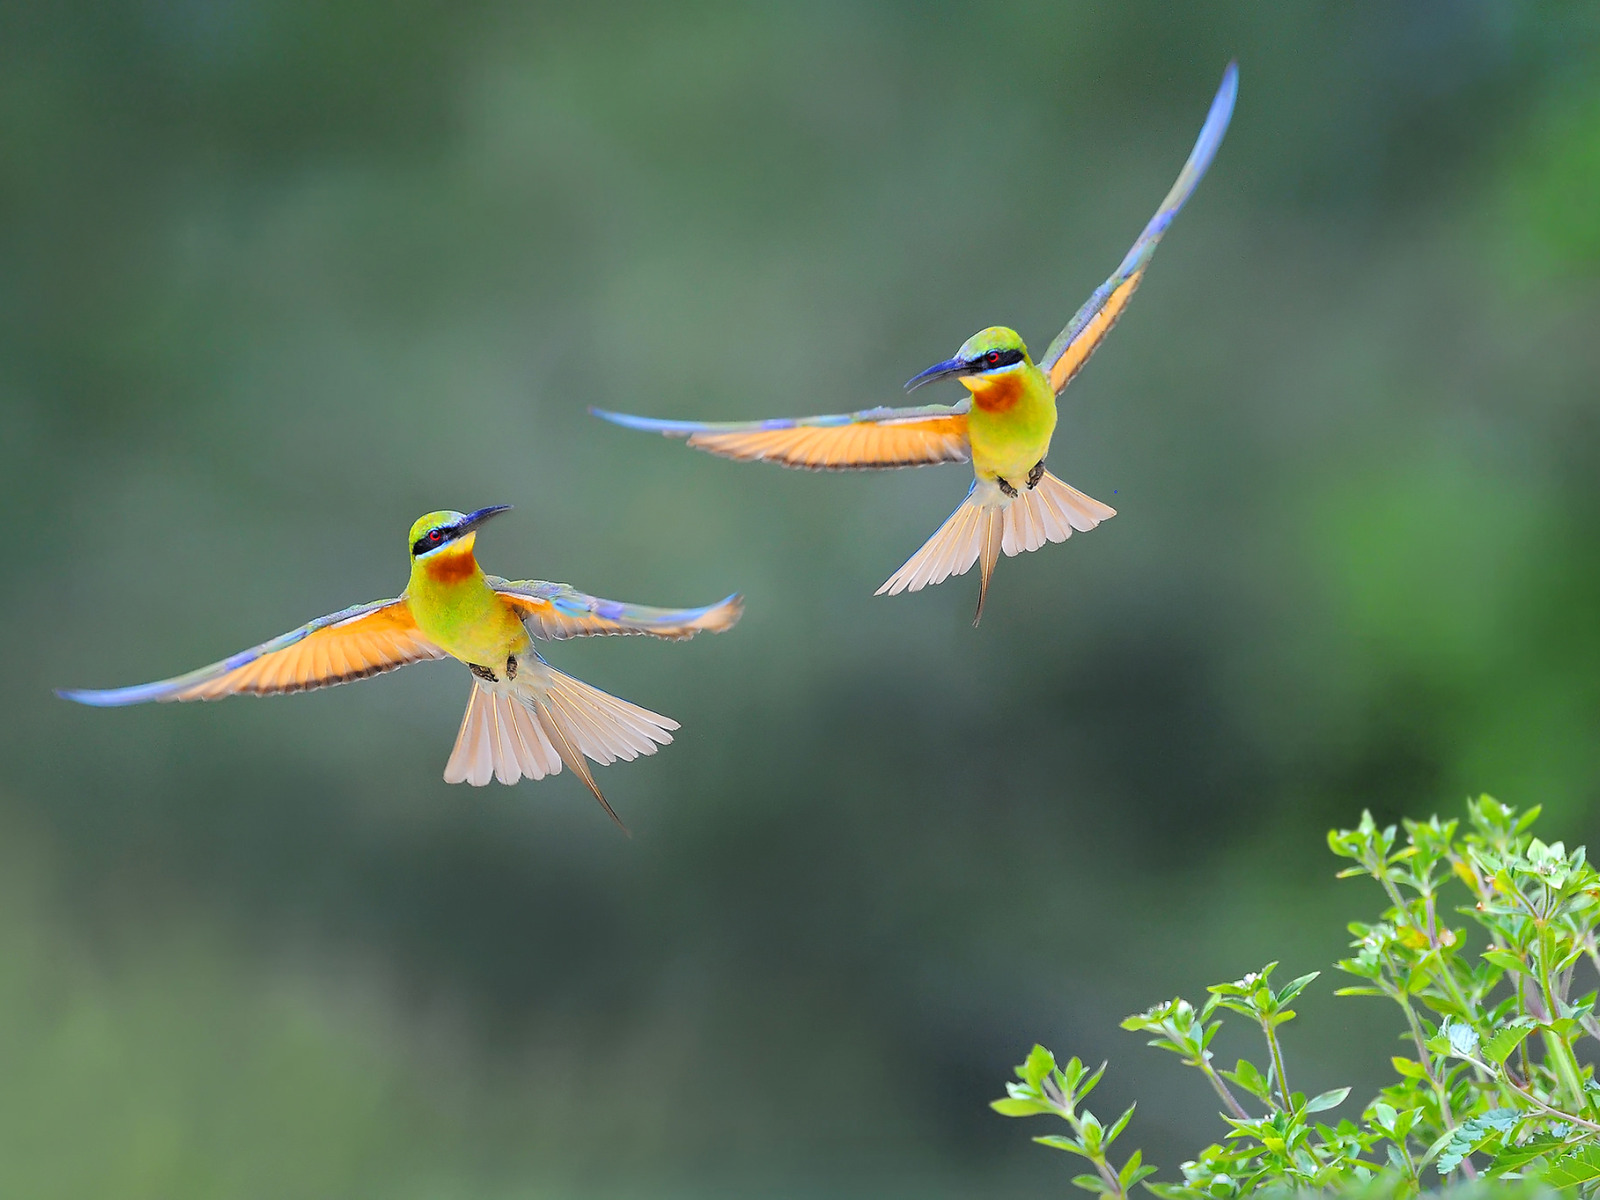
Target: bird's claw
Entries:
(483, 673)
(1036, 474)
(1007, 488)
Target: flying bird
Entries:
(523, 717)
(1002, 428)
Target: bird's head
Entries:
(446, 534)
(990, 352)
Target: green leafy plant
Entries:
(1487, 933)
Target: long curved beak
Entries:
(474, 519)
(950, 368)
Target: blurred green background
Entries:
(275, 278)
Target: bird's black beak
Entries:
(474, 519)
(950, 368)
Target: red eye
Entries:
(435, 535)
(993, 356)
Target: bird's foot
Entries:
(511, 667)
(1036, 474)
(1006, 487)
(483, 673)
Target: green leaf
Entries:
(1057, 1141)
(1091, 1183)
(1511, 1158)
(1089, 1083)
(1504, 959)
(1118, 1126)
(1133, 1171)
(1249, 1077)
(1040, 1063)
(1474, 1135)
(1327, 1100)
(1498, 1048)
(1295, 986)
(1570, 1170)
(1016, 1107)
(1409, 1067)
(1070, 1075)
(1091, 1132)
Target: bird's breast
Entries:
(462, 614)
(1013, 416)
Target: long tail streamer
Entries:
(535, 726)
(987, 522)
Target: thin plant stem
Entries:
(1277, 1062)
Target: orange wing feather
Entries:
(555, 611)
(344, 646)
(877, 438)
(1093, 333)
(1089, 326)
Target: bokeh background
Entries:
(275, 277)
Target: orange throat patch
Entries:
(998, 394)
(450, 565)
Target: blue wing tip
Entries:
(138, 693)
(1222, 104)
(91, 697)
(649, 424)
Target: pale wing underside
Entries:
(367, 639)
(876, 438)
(554, 611)
(1088, 328)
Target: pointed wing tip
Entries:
(1219, 116)
(1228, 92)
(728, 610)
(648, 424)
(106, 697)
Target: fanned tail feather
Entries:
(1049, 512)
(987, 522)
(534, 726)
(499, 739)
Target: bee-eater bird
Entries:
(1003, 427)
(524, 717)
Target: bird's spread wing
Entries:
(353, 644)
(554, 611)
(875, 438)
(1086, 330)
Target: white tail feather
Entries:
(532, 725)
(989, 521)
(499, 740)
(1049, 512)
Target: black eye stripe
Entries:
(994, 359)
(427, 542)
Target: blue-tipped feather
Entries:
(1137, 258)
(178, 687)
(827, 421)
